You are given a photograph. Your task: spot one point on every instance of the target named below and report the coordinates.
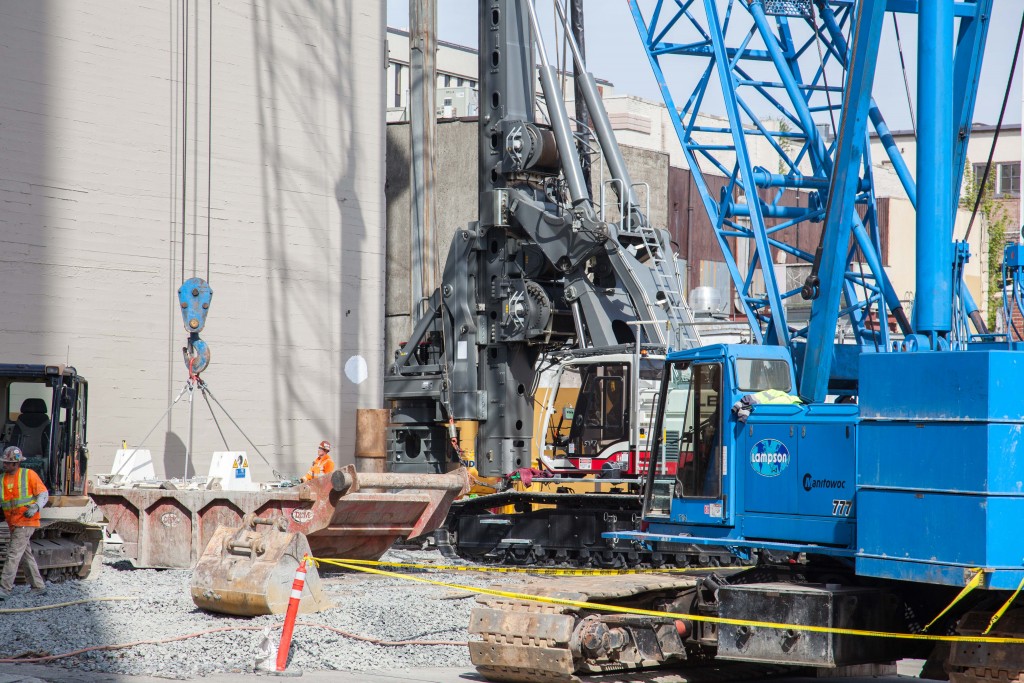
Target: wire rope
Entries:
(209, 147)
(184, 133)
(995, 137)
(906, 80)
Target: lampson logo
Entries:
(769, 457)
(810, 483)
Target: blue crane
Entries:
(897, 514)
(792, 60)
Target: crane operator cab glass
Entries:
(689, 435)
(699, 473)
(45, 408)
(600, 417)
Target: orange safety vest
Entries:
(19, 491)
(321, 466)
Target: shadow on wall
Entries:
(396, 195)
(27, 297)
(31, 301)
(314, 294)
(174, 457)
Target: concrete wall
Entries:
(93, 148)
(456, 198)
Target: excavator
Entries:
(44, 408)
(550, 299)
(873, 517)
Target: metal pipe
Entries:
(559, 119)
(422, 129)
(587, 86)
(582, 118)
(819, 156)
(763, 178)
(899, 164)
(453, 481)
(933, 293)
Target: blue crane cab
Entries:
(783, 478)
(927, 461)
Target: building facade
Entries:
(139, 146)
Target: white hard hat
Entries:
(12, 454)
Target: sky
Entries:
(614, 53)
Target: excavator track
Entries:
(63, 549)
(560, 529)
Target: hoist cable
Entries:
(188, 387)
(191, 430)
(184, 133)
(995, 138)
(209, 147)
(906, 81)
(206, 388)
(824, 76)
(213, 415)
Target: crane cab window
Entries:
(669, 431)
(699, 472)
(759, 374)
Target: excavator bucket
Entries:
(249, 570)
(245, 546)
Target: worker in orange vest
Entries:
(24, 495)
(323, 463)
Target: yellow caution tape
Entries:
(599, 607)
(548, 571)
(971, 585)
(1002, 610)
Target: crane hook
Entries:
(194, 297)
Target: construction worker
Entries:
(322, 464)
(24, 495)
(741, 409)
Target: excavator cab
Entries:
(45, 416)
(44, 409)
(601, 390)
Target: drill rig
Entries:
(540, 279)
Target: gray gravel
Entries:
(376, 607)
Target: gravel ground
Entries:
(161, 607)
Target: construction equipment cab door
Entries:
(699, 496)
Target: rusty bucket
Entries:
(247, 568)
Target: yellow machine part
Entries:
(467, 430)
(249, 571)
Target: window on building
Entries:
(1008, 180)
(458, 82)
(447, 81)
(979, 171)
(398, 85)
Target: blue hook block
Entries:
(194, 297)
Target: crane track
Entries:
(530, 642)
(988, 662)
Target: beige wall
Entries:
(91, 165)
(903, 243)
